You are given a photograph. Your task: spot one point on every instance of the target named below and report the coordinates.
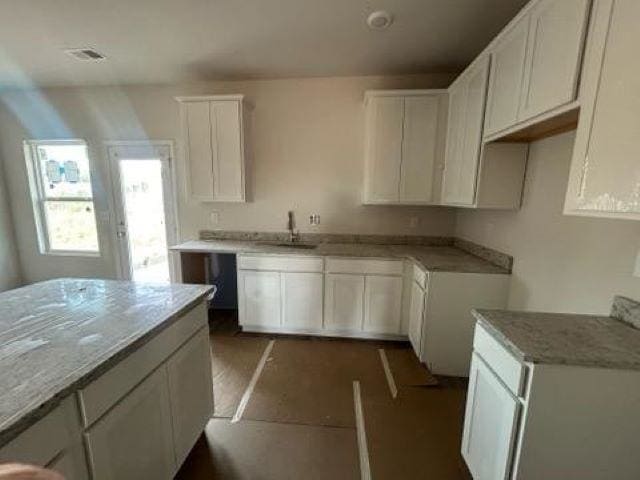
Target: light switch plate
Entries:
(214, 218)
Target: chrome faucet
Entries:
(291, 225)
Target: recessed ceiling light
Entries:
(85, 54)
(379, 20)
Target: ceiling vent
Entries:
(85, 54)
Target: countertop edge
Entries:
(524, 358)
(494, 270)
(14, 426)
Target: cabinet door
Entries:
(416, 317)
(467, 105)
(259, 296)
(455, 134)
(191, 392)
(383, 304)
(198, 144)
(383, 148)
(419, 148)
(302, 300)
(134, 440)
(227, 151)
(490, 424)
(344, 300)
(507, 67)
(554, 51)
(605, 170)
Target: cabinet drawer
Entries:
(419, 276)
(41, 443)
(280, 264)
(367, 267)
(510, 371)
(101, 394)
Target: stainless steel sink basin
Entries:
(302, 246)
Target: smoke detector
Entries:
(379, 20)
(85, 54)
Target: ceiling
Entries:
(172, 41)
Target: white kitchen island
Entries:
(104, 379)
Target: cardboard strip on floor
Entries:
(363, 450)
(234, 359)
(254, 379)
(310, 382)
(388, 373)
(407, 369)
(250, 450)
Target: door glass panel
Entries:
(145, 216)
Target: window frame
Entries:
(39, 197)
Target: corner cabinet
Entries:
(213, 141)
(475, 174)
(604, 179)
(404, 145)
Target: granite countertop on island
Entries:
(597, 341)
(57, 336)
(433, 258)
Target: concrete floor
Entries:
(300, 423)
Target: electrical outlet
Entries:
(314, 219)
(413, 222)
(214, 218)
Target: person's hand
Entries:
(16, 471)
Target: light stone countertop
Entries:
(565, 339)
(430, 258)
(57, 336)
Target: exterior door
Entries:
(144, 210)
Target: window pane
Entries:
(64, 170)
(71, 226)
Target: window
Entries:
(60, 182)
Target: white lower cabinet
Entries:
(344, 302)
(259, 298)
(490, 424)
(382, 304)
(532, 421)
(191, 392)
(278, 293)
(134, 440)
(416, 315)
(302, 300)
(54, 442)
(440, 324)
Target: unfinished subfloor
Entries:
(297, 418)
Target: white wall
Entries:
(307, 142)
(562, 263)
(10, 276)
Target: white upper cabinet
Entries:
(419, 148)
(385, 116)
(214, 147)
(604, 178)
(505, 84)
(464, 137)
(554, 51)
(536, 65)
(403, 144)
